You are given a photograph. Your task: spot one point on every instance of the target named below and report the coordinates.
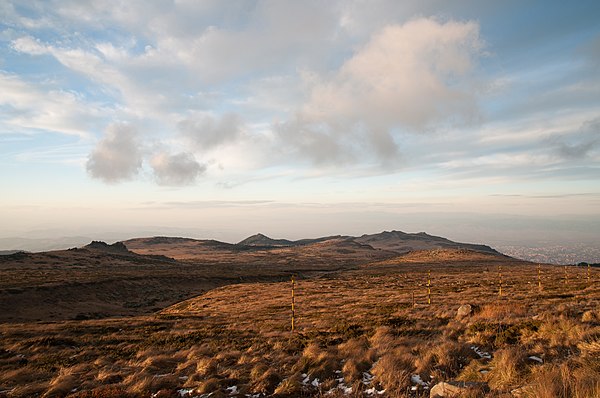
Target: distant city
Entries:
(554, 254)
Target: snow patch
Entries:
(184, 392)
(537, 359)
(482, 354)
(416, 379)
(418, 382)
(367, 378)
(341, 385)
(373, 391)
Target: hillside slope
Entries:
(402, 242)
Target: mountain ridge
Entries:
(397, 241)
(403, 242)
(394, 241)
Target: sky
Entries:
(475, 120)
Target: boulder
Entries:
(464, 311)
(454, 388)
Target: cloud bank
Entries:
(406, 77)
(248, 90)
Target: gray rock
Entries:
(464, 310)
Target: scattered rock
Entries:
(454, 388)
(524, 391)
(536, 359)
(464, 311)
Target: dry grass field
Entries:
(91, 283)
(363, 329)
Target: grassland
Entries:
(89, 283)
(363, 330)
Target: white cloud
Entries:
(176, 170)
(29, 45)
(272, 37)
(117, 156)
(409, 77)
(412, 77)
(412, 74)
(26, 106)
(142, 83)
(205, 132)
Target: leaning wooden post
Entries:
(499, 281)
(566, 276)
(293, 303)
(539, 272)
(428, 286)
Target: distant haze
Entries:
(561, 240)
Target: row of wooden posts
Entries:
(539, 282)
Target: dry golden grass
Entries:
(357, 326)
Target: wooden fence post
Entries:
(499, 281)
(589, 279)
(293, 304)
(428, 287)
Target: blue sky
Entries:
(223, 118)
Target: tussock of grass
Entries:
(444, 359)
(568, 380)
(289, 387)
(394, 368)
(562, 331)
(590, 345)
(358, 356)
(159, 363)
(509, 366)
(501, 310)
(317, 362)
(208, 386)
(109, 377)
(264, 379)
(384, 340)
(206, 366)
(475, 371)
